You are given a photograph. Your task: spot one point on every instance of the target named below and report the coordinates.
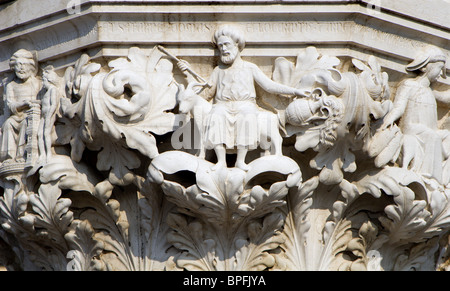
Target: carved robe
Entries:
(235, 117)
(422, 140)
(13, 137)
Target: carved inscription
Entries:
(257, 31)
(155, 27)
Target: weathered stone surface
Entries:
(225, 135)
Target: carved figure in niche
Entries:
(20, 95)
(415, 106)
(49, 108)
(235, 122)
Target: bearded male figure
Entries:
(20, 94)
(233, 121)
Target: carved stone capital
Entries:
(205, 137)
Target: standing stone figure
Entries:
(20, 95)
(235, 120)
(415, 106)
(49, 108)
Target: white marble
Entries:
(257, 136)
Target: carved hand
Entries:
(26, 104)
(196, 87)
(302, 93)
(183, 65)
(388, 122)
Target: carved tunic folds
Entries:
(13, 137)
(235, 83)
(232, 120)
(420, 108)
(419, 124)
(235, 117)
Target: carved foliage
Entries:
(227, 221)
(120, 111)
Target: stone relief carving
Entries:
(141, 164)
(21, 100)
(415, 105)
(234, 120)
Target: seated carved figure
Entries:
(415, 106)
(235, 121)
(265, 123)
(20, 95)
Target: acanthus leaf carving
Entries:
(111, 230)
(227, 212)
(353, 238)
(410, 219)
(49, 219)
(263, 238)
(132, 92)
(197, 253)
(154, 240)
(84, 250)
(297, 226)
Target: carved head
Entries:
(186, 99)
(24, 64)
(49, 77)
(230, 42)
(432, 61)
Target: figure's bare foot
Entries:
(202, 154)
(243, 166)
(218, 166)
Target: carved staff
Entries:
(162, 49)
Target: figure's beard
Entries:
(23, 75)
(227, 60)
